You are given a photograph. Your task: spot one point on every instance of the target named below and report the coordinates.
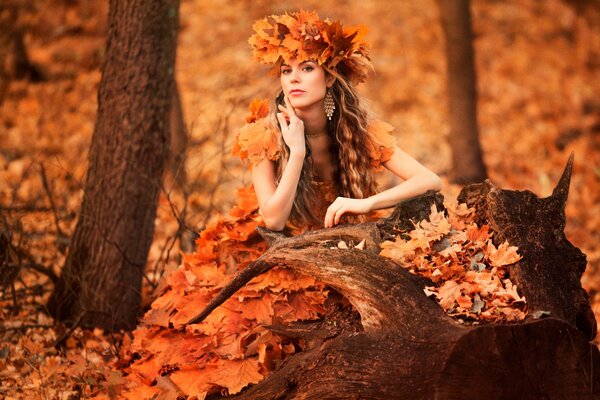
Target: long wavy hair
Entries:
(351, 163)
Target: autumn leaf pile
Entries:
(472, 282)
(83, 367)
(231, 348)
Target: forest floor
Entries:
(538, 67)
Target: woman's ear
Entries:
(330, 80)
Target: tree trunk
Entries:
(400, 344)
(101, 280)
(467, 161)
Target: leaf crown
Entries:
(304, 36)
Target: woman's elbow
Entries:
(273, 224)
(435, 183)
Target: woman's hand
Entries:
(292, 127)
(343, 205)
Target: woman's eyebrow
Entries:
(302, 63)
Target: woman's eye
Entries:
(308, 68)
(285, 71)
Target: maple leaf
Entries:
(448, 293)
(399, 250)
(51, 366)
(236, 375)
(259, 108)
(478, 236)
(451, 251)
(260, 309)
(487, 282)
(503, 255)
(426, 232)
(459, 215)
(208, 275)
(246, 204)
(257, 141)
(437, 221)
(512, 314)
(380, 144)
(230, 346)
(159, 316)
(305, 307)
(510, 290)
(255, 339)
(339, 43)
(147, 370)
(233, 375)
(464, 301)
(193, 382)
(142, 392)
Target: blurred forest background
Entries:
(538, 82)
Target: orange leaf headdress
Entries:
(304, 36)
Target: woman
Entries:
(327, 146)
(312, 163)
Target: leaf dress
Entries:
(231, 348)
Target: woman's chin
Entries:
(304, 106)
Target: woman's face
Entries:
(305, 84)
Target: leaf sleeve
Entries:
(258, 139)
(380, 143)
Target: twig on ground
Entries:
(60, 235)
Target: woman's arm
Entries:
(276, 201)
(417, 180)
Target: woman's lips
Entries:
(296, 92)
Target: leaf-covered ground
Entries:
(538, 67)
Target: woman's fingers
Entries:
(333, 215)
(338, 215)
(284, 111)
(289, 106)
(282, 121)
(330, 214)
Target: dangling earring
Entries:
(329, 105)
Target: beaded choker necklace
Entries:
(315, 135)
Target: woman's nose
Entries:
(294, 76)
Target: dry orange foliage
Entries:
(459, 256)
(257, 139)
(305, 36)
(231, 348)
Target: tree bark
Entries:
(467, 160)
(101, 281)
(397, 343)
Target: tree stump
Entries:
(398, 343)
